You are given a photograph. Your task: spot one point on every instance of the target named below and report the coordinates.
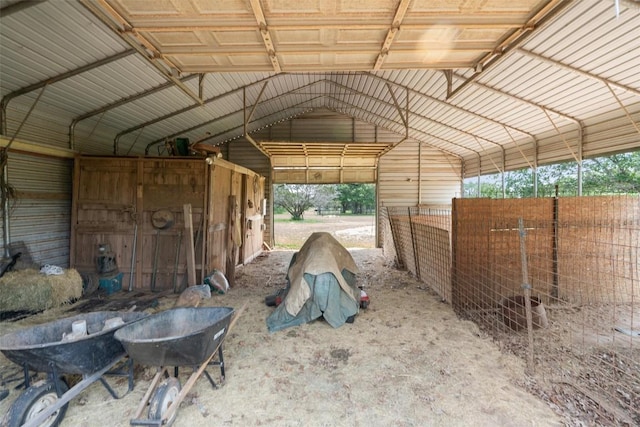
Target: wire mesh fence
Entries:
(385, 238)
(554, 280)
(422, 244)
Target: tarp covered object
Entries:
(321, 281)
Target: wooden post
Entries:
(527, 293)
(74, 212)
(414, 244)
(556, 278)
(138, 262)
(204, 262)
(191, 253)
(231, 242)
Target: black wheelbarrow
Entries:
(82, 344)
(179, 337)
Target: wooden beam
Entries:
(231, 241)
(267, 39)
(191, 254)
(391, 33)
(139, 219)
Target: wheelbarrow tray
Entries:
(41, 347)
(185, 336)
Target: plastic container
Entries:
(111, 284)
(364, 299)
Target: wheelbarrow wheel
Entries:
(164, 396)
(34, 400)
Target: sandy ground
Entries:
(407, 360)
(352, 231)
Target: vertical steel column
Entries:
(4, 159)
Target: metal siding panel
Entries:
(43, 127)
(471, 166)
(50, 38)
(55, 29)
(612, 132)
(520, 157)
(554, 148)
(364, 132)
(243, 153)
(41, 219)
(398, 176)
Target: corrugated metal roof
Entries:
(413, 68)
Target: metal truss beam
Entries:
(51, 80)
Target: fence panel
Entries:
(582, 264)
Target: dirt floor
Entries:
(352, 231)
(407, 360)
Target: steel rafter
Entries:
(448, 105)
(123, 29)
(519, 36)
(192, 128)
(405, 122)
(544, 109)
(344, 88)
(444, 150)
(183, 110)
(583, 73)
(405, 116)
(295, 106)
(247, 117)
(117, 104)
(51, 80)
(17, 7)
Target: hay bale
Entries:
(30, 290)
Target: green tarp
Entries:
(321, 281)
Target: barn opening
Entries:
(347, 211)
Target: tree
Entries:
(297, 198)
(325, 197)
(490, 186)
(519, 183)
(356, 197)
(619, 173)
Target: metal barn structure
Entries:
(416, 97)
(412, 95)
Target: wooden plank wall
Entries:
(253, 221)
(167, 185)
(103, 211)
(220, 189)
(113, 194)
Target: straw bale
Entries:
(30, 290)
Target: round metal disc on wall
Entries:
(162, 219)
